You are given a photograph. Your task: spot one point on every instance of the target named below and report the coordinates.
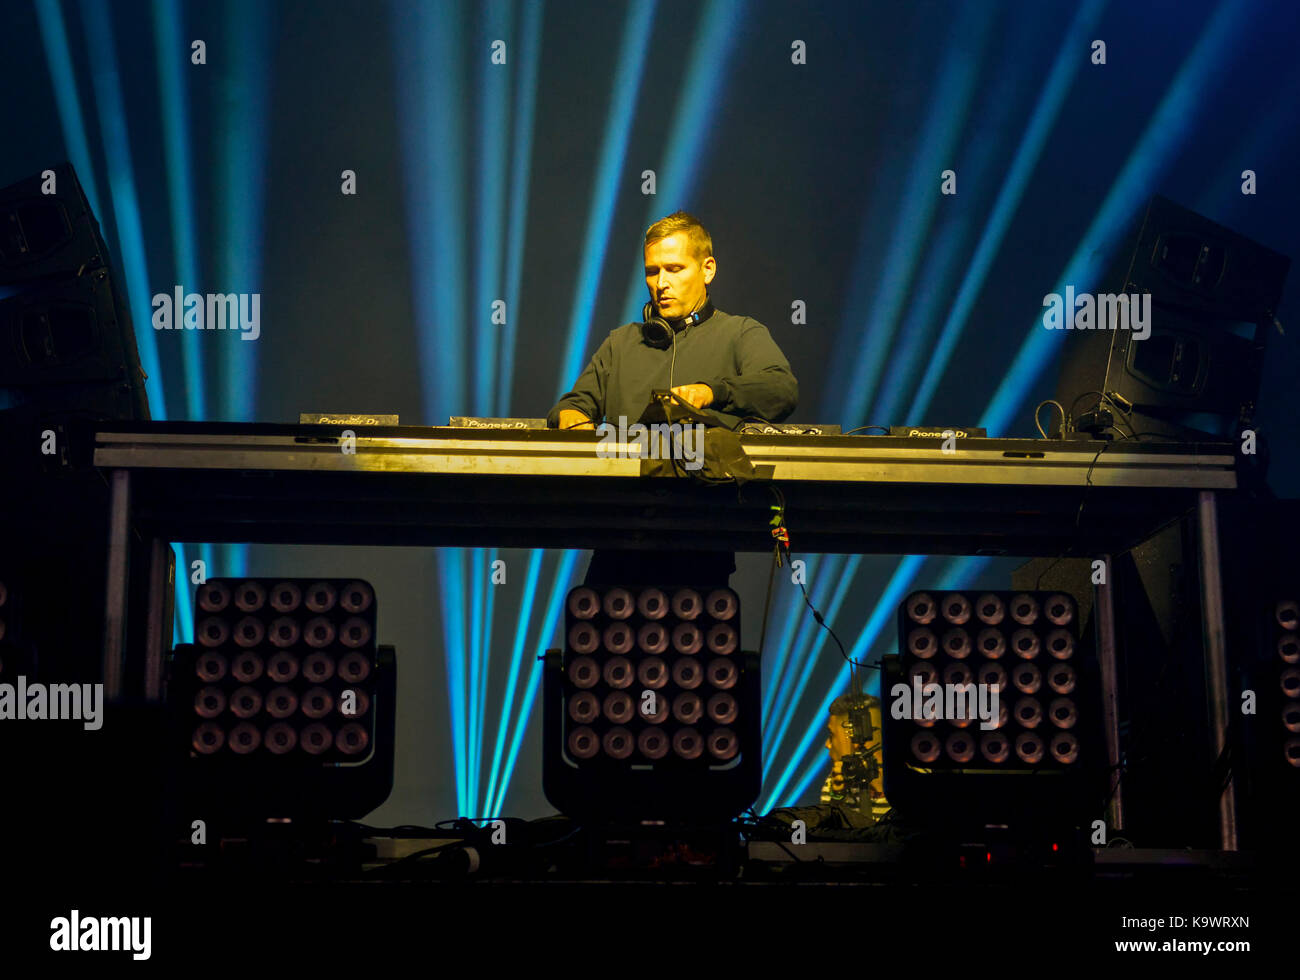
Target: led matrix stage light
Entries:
(652, 709)
(285, 702)
(1024, 645)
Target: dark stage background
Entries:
(522, 182)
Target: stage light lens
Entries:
(722, 604)
(1029, 748)
(584, 638)
(284, 632)
(246, 702)
(318, 668)
(723, 673)
(317, 703)
(352, 739)
(687, 673)
(355, 633)
(619, 638)
(318, 633)
(960, 747)
(688, 744)
(250, 596)
(1062, 713)
(688, 708)
(247, 668)
(316, 738)
(1059, 609)
(1061, 678)
(993, 675)
(583, 743)
(994, 747)
(991, 643)
(1026, 678)
(990, 609)
(687, 638)
(1024, 609)
(618, 707)
(926, 747)
(281, 702)
(282, 667)
(210, 702)
(1028, 712)
(652, 672)
(956, 608)
(356, 597)
(584, 603)
(922, 643)
(618, 743)
(211, 667)
(723, 709)
(245, 738)
(1060, 644)
(1024, 644)
(584, 673)
(208, 738)
(618, 604)
(652, 743)
(687, 604)
(957, 673)
(286, 597)
(354, 668)
(1288, 647)
(619, 672)
(1065, 748)
(956, 643)
(214, 597)
(584, 708)
(921, 608)
(281, 738)
(723, 744)
(652, 603)
(721, 639)
(212, 632)
(652, 638)
(321, 597)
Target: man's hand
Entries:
(697, 396)
(571, 418)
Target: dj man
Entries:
(732, 367)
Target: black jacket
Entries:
(733, 355)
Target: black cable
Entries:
(1038, 408)
(1078, 517)
(780, 500)
(882, 428)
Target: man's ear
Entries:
(710, 266)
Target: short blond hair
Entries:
(701, 241)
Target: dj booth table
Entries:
(530, 488)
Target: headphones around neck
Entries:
(658, 332)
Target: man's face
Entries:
(675, 277)
(839, 743)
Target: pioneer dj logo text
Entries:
(104, 934)
(1103, 311)
(946, 702)
(209, 311)
(657, 441)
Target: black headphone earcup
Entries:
(655, 329)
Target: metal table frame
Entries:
(544, 488)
